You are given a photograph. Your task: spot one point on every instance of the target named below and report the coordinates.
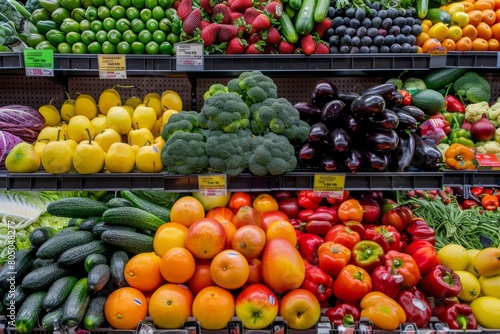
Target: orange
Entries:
(249, 240)
(468, 6)
(495, 31)
(449, 44)
(422, 38)
(186, 210)
(220, 213)
(475, 16)
(271, 216)
(177, 265)
(484, 4)
(125, 307)
(230, 230)
(464, 44)
(201, 277)
(229, 269)
(493, 44)
(469, 31)
(169, 235)
(497, 15)
(170, 305)
(206, 238)
(142, 271)
(484, 30)
(479, 44)
(497, 4)
(282, 229)
(213, 307)
(489, 17)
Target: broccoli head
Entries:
(215, 89)
(253, 86)
(184, 153)
(472, 88)
(271, 154)
(186, 121)
(224, 111)
(228, 153)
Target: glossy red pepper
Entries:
(416, 306)
(477, 191)
(456, 316)
(343, 235)
(357, 227)
(333, 257)
(368, 255)
(424, 254)
(319, 227)
(441, 282)
(308, 200)
(489, 202)
(419, 230)
(350, 209)
(399, 217)
(352, 284)
(343, 315)
(318, 282)
(345, 195)
(469, 203)
(406, 97)
(304, 214)
(384, 280)
(453, 104)
(403, 264)
(307, 245)
(386, 236)
(331, 210)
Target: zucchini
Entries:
(295, 4)
(436, 15)
(23, 260)
(422, 7)
(98, 277)
(58, 292)
(304, 22)
(88, 223)
(440, 78)
(43, 277)
(60, 243)
(100, 227)
(134, 217)
(49, 319)
(41, 263)
(78, 254)
(92, 260)
(321, 10)
(41, 234)
(16, 297)
(117, 265)
(30, 311)
(76, 304)
(287, 29)
(118, 202)
(129, 241)
(74, 222)
(141, 203)
(429, 100)
(94, 316)
(76, 207)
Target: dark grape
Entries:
(364, 49)
(376, 22)
(334, 40)
(340, 30)
(349, 12)
(395, 48)
(392, 13)
(354, 23)
(386, 23)
(405, 48)
(372, 13)
(350, 31)
(365, 41)
(373, 49)
(341, 12)
(410, 12)
(378, 40)
(346, 21)
(400, 39)
(389, 39)
(329, 32)
(406, 29)
(382, 32)
(344, 49)
(418, 21)
(384, 49)
(334, 49)
(367, 22)
(372, 32)
(355, 41)
(360, 14)
(416, 29)
(361, 32)
(375, 5)
(410, 21)
(332, 12)
(345, 40)
(394, 30)
(401, 12)
(382, 13)
(399, 21)
(337, 21)
(411, 39)
(354, 49)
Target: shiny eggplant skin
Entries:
(347, 97)
(386, 90)
(375, 161)
(395, 101)
(367, 105)
(329, 163)
(350, 123)
(332, 110)
(381, 140)
(353, 160)
(427, 156)
(340, 140)
(402, 155)
(384, 120)
(323, 92)
(416, 112)
(318, 132)
(307, 151)
(308, 111)
(406, 121)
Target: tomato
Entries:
(239, 199)
(264, 203)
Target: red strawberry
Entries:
(206, 5)
(192, 22)
(184, 9)
(261, 22)
(250, 15)
(209, 34)
(308, 44)
(220, 13)
(254, 38)
(285, 47)
(241, 26)
(274, 9)
(204, 24)
(271, 35)
(322, 48)
(239, 5)
(226, 32)
(270, 48)
(234, 15)
(256, 48)
(236, 46)
(321, 27)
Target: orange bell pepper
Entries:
(351, 209)
(383, 311)
(461, 157)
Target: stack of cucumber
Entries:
(66, 276)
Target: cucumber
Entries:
(295, 4)
(422, 7)
(76, 207)
(78, 254)
(59, 243)
(30, 311)
(76, 304)
(58, 292)
(41, 263)
(88, 223)
(100, 227)
(43, 277)
(129, 241)
(94, 316)
(321, 10)
(304, 22)
(429, 100)
(23, 260)
(139, 202)
(98, 277)
(92, 260)
(287, 29)
(134, 217)
(15, 297)
(440, 78)
(436, 15)
(118, 202)
(117, 265)
(41, 234)
(74, 222)
(49, 319)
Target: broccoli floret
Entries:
(253, 86)
(226, 112)
(186, 121)
(184, 153)
(271, 154)
(228, 153)
(472, 88)
(214, 89)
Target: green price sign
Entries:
(39, 62)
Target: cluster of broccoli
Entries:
(472, 88)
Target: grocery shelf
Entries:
(478, 60)
(135, 64)
(11, 60)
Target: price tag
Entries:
(39, 63)
(112, 66)
(212, 185)
(189, 56)
(329, 185)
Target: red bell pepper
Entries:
(368, 255)
(343, 235)
(416, 306)
(308, 200)
(331, 210)
(350, 209)
(343, 315)
(319, 223)
(386, 281)
(424, 254)
(352, 284)
(469, 203)
(441, 282)
(456, 316)
(489, 202)
(386, 236)
(406, 97)
(318, 282)
(332, 257)
(307, 245)
(477, 191)
(453, 104)
(404, 265)
(399, 217)
(345, 195)
(418, 229)
(304, 214)
(357, 227)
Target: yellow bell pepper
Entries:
(455, 7)
(383, 311)
(439, 31)
(459, 156)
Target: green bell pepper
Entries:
(55, 37)
(39, 14)
(70, 4)
(368, 254)
(60, 14)
(462, 140)
(43, 26)
(50, 5)
(458, 119)
(69, 25)
(86, 3)
(91, 13)
(45, 45)
(459, 133)
(34, 39)
(78, 14)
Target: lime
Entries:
(64, 48)
(152, 25)
(118, 12)
(129, 36)
(79, 48)
(109, 23)
(165, 3)
(166, 48)
(454, 256)
(145, 36)
(145, 14)
(98, 3)
(158, 13)
(173, 38)
(125, 3)
(151, 4)
(138, 3)
(471, 287)
(123, 48)
(159, 36)
(132, 13)
(111, 3)
(165, 25)
(101, 36)
(73, 37)
(88, 36)
(137, 47)
(152, 48)
(108, 47)
(103, 12)
(123, 25)
(94, 48)
(85, 25)
(114, 36)
(96, 26)
(138, 25)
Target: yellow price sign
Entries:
(112, 66)
(329, 185)
(212, 185)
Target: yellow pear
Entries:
(39, 145)
(157, 128)
(133, 101)
(50, 133)
(86, 105)
(130, 109)
(78, 126)
(50, 113)
(159, 142)
(140, 137)
(119, 119)
(22, 158)
(57, 157)
(170, 99)
(71, 143)
(120, 158)
(107, 137)
(88, 157)
(68, 108)
(148, 159)
(153, 100)
(109, 98)
(144, 117)
(99, 123)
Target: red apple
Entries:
(256, 306)
(372, 211)
(300, 308)
(247, 215)
(290, 207)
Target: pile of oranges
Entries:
(476, 27)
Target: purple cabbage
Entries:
(20, 116)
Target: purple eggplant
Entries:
(401, 157)
(367, 105)
(332, 110)
(395, 100)
(347, 97)
(340, 140)
(350, 123)
(318, 132)
(375, 161)
(307, 152)
(406, 121)
(329, 163)
(427, 156)
(323, 92)
(416, 112)
(353, 160)
(381, 140)
(308, 112)
(384, 120)
(386, 90)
